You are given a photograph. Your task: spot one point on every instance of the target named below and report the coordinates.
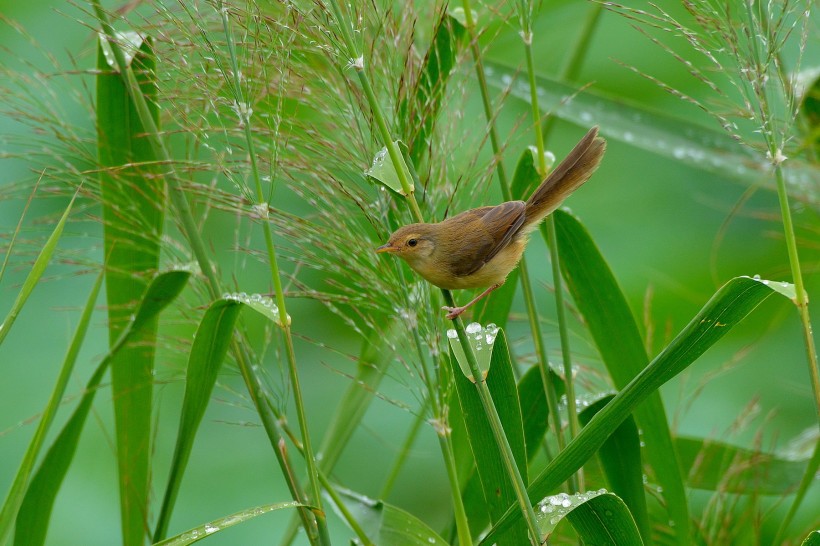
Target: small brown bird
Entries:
(480, 247)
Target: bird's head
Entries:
(413, 243)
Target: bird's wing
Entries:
(498, 225)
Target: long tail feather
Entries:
(570, 174)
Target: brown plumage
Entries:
(479, 247)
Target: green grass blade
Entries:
(717, 466)
(21, 480)
(805, 483)
(421, 113)
(375, 357)
(813, 539)
(35, 512)
(36, 272)
(211, 342)
(612, 326)
(534, 407)
(620, 457)
(495, 481)
(133, 198)
(386, 524)
(722, 312)
(655, 131)
(534, 415)
(810, 112)
(10, 247)
(599, 519)
(203, 531)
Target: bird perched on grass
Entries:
(480, 247)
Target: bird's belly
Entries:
(493, 272)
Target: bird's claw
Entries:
(453, 312)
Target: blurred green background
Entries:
(657, 221)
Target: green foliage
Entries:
(498, 492)
(210, 346)
(620, 457)
(34, 275)
(133, 197)
(387, 524)
(35, 511)
(207, 529)
(272, 115)
(593, 287)
(724, 310)
(598, 518)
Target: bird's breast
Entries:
(492, 272)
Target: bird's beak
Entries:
(385, 248)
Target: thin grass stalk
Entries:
(307, 451)
(495, 424)
(576, 482)
(777, 158)
(397, 160)
(10, 248)
(484, 393)
(526, 286)
(801, 296)
(191, 232)
(446, 446)
(14, 498)
(348, 517)
(402, 457)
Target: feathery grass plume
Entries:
(748, 55)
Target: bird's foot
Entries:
(453, 312)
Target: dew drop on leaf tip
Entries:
(473, 328)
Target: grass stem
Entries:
(496, 426)
(190, 230)
(276, 279)
(526, 286)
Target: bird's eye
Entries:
(412, 242)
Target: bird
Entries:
(479, 248)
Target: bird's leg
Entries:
(453, 312)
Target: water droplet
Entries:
(473, 328)
(452, 334)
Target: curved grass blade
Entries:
(810, 112)
(35, 512)
(599, 518)
(421, 113)
(534, 407)
(211, 342)
(374, 359)
(813, 539)
(133, 206)
(36, 272)
(620, 457)
(534, 415)
(495, 481)
(652, 130)
(612, 326)
(21, 480)
(805, 482)
(722, 312)
(387, 524)
(16, 232)
(203, 531)
(717, 466)
(383, 172)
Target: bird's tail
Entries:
(567, 177)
